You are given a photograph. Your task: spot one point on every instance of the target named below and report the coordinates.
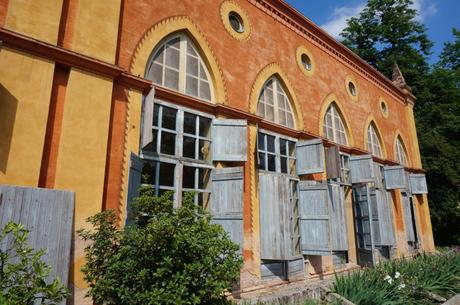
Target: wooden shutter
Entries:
(310, 157)
(227, 201)
(332, 162)
(48, 215)
(418, 184)
(275, 224)
(295, 267)
(378, 175)
(147, 119)
(229, 140)
(408, 221)
(385, 213)
(134, 183)
(336, 200)
(395, 177)
(362, 169)
(314, 219)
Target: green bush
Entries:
(404, 281)
(167, 256)
(22, 272)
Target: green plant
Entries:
(167, 256)
(23, 274)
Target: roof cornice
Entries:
(303, 26)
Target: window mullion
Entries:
(179, 133)
(275, 101)
(182, 64)
(277, 155)
(160, 123)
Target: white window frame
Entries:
(276, 85)
(334, 113)
(373, 141)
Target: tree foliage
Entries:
(24, 277)
(166, 256)
(387, 32)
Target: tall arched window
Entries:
(373, 141)
(176, 64)
(274, 104)
(333, 127)
(401, 154)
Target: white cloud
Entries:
(339, 18)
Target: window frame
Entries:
(373, 139)
(334, 112)
(184, 42)
(401, 152)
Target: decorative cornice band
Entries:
(70, 58)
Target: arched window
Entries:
(373, 141)
(274, 104)
(176, 64)
(401, 154)
(333, 127)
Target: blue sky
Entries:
(439, 16)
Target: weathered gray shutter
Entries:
(362, 202)
(395, 177)
(134, 183)
(295, 267)
(229, 140)
(385, 213)
(336, 200)
(48, 215)
(418, 184)
(310, 157)
(408, 221)
(147, 119)
(275, 225)
(362, 169)
(227, 201)
(375, 216)
(332, 162)
(314, 219)
(378, 175)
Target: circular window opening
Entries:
(306, 62)
(352, 88)
(384, 108)
(236, 22)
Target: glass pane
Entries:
(291, 149)
(281, 102)
(190, 49)
(292, 167)
(174, 43)
(205, 92)
(271, 163)
(283, 165)
(172, 58)
(192, 86)
(282, 117)
(171, 79)
(169, 118)
(269, 97)
(168, 143)
(261, 141)
(148, 173)
(270, 143)
(205, 151)
(203, 200)
(203, 179)
(283, 144)
(158, 58)
(167, 174)
(152, 146)
(269, 113)
(156, 110)
(261, 109)
(189, 147)
(192, 65)
(290, 121)
(188, 177)
(205, 127)
(189, 123)
(203, 72)
(262, 161)
(157, 73)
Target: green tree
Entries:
(24, 277)
(167, 256)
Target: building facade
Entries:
(306, 155)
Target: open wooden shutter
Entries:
(227, 201)
(147, 119)
(336, 200)
(385, 213)
(418, 184)
(362, 169)
(275, 224)
(395, 177)
(314, 219)
(379, 175)
(229, 140)
(310, 157)
(408, 221)
(134, 183)
(332, 162)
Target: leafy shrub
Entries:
(23, 275)
(167, 256)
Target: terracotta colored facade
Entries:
(72, 77)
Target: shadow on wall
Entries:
(8, 107)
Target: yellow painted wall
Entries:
(36, 18)
(414, 153)
(96, 29)
(82, 151)
(25, 90)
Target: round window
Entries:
(236, 22)
(352, 88)
(306, 62)
(384, 108)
